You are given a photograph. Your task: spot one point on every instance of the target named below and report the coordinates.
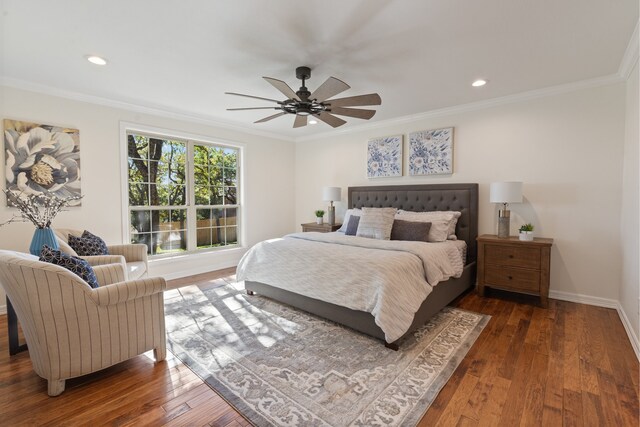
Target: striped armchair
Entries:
(133, 256)
(72, 329)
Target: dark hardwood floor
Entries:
(570, 364)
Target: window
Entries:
(183, 194)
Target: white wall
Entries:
(629, 288)
(268, 207)
(567, 149)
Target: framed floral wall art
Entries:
(42, 159)
(384, 157)
(431, 152)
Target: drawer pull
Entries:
(510, 256)
(510, 277)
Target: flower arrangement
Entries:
(40, 209)
(319, 213)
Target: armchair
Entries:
(72, 329)
(132, 256)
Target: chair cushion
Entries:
(88, 245)
(76, 265)
(136, 269)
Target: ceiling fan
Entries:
(317, 104)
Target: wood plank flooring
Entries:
(570, 364)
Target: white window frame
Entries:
(190, 139)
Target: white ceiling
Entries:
(419, 55)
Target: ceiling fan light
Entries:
(479, 83)
(313, 122)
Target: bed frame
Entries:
(419, 198)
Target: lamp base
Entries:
(503, 227)
(332, 215)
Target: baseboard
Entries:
(584, 299)
(602, 302)
(635, 343)
(3, 309)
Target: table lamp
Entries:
(331, 194)
(505, 193)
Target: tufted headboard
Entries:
(425, 198)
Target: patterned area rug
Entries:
(284, 367)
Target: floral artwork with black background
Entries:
(42, 159)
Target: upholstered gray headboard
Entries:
(424, 198)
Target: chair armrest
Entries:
(131, 252)
(94, 260)
(110, 273)
(117, 293)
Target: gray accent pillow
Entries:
(376, 223)
(352, 227)
(410, 230)
(347, 215)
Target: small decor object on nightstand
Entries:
(331, 194)
(526, 232)
(319, 216)
(505, 193)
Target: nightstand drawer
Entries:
(512, 256)
(512, 278)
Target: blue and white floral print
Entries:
(431, 152)
(384, 157)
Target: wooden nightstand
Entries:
(322, 228)
(514, 265)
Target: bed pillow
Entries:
(352, 227)
(376, 223)
(443, 223)
(348, 214)
(78, 266)
(410, 230)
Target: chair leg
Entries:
(160, 353)
(55, 387)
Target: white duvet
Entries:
(389, 279)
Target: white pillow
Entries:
(443, 223)
(347, 215)
(376, 223)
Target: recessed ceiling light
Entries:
(479, 83)
(313, 121)
(96, 60)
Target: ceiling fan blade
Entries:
(251, 96)
(300, 121)
(330, 119)
(266, 119)
(352, 101)
(283, 87)
(331, 87)
(253, 108)
(353, 112)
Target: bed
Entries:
(417, 198)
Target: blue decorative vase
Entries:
(43, 236)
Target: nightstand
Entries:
(322, 228)
(514, 265)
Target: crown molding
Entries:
(442, 112)
(630, 57)
(136, 108)
(474, 106)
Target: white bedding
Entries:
(389, 279)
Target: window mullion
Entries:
(191, 197)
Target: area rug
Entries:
(280, 366)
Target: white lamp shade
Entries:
(506, 192)
(331, 194)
